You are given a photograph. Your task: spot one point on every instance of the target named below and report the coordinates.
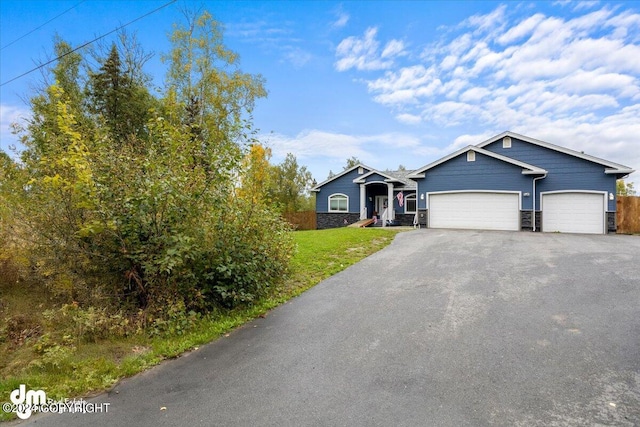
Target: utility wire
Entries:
(87, 43)
(36, 29)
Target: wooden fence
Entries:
(628, 214)
(301, 220)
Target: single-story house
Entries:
(508, 182)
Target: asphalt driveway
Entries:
(441, 328)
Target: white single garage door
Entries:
(575, 212)
(475, 210)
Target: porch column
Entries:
(363, 201)
(389, 204)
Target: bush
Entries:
(251, 253)
(147, 219)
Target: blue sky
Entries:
(392, 83)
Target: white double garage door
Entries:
(567, 211)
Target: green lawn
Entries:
(90, 368)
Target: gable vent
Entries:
(471, 156)
(506, 142)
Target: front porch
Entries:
(375, 206)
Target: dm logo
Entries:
(26, 401)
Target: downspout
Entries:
(533, 213)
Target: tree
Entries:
(256, 175)
(291, 184)
(218, 98)
(151, 216)
(625, 188)
(119, 97)
(351, 162)
(42, 131)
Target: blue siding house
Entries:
(508, 182)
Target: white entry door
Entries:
(381, 204)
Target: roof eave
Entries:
(534, 172)
(344, 172)
(619, 171)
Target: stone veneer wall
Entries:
(525, 221)
(422, 217)
(404, 219)
(335, 219)
(612, 227)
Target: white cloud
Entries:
(469, 139)
(475, 94)
(10, 114)
(406, 86)
(490, 22)
(297, 57)
(278, 37)
(343, 19)
(311, 143)
(393, 48)
(363, 53)
(521, 30)
(410, 119)
(583, 82)
(323, 151)
(582, 5)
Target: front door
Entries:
(381, 204)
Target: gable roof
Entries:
(387, 177)
(399, 177)
(402, 176)
(611, 167)
(527, 169)
(344, 172)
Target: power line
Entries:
(36, 29)
(87, 43)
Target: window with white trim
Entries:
(410, 204)
(338, 203)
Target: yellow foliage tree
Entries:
(256, 175)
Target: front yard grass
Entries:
(94, 367)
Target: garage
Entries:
(475, 210)
(573, 212)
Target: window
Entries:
(471, 156)
(410, 204)
(338, 203)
